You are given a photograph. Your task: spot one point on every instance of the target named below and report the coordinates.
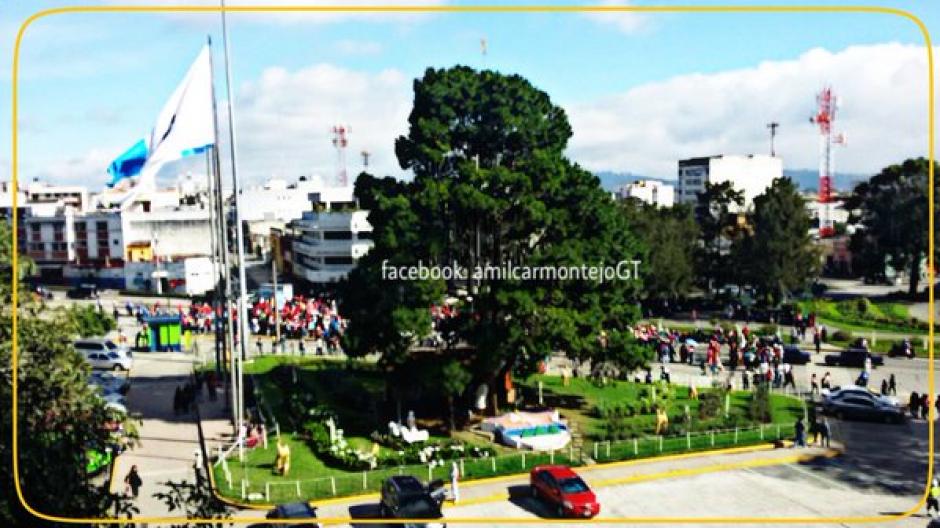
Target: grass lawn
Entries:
(577, 402)
(861, 315)
(334, 384)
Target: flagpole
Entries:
(224, 310)
(236, 189)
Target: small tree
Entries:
(454, 380)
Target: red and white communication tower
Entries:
(340, 142)
(826, 103)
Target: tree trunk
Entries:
(914, 277)
(450, 406)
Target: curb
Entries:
(515, 476)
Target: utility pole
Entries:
(365, 159)
(277, 309)
(773, 125)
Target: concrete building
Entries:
(75, 196)
(272, 206)
(751, 174)
(649, 191)
(330, 238)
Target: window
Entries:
(101, 226)
(338, 260)
(337, 235)
(364, 235)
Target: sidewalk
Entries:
(168, 443)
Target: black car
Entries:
(794, 355)
(83, 291)
(302, 511)
(853, 357)
(405, 497)
(860, 404)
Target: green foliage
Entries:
(892, 210)
(759, 409)
(195, 501)
(779, 256)
(668, 236)
(87, 321)
(718, 227)
(491, 186)
(59, 420)
(711, 404)
(768, 329)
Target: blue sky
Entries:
(642, 90)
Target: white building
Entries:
(272, 206)
(751, 174)
(649, 191)
(330, 238)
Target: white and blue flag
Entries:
(185, 126)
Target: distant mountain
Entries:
(808, 179)
(612, 181)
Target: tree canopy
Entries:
(491, 187)
(778, 255)
(891, 209)
(59, 417)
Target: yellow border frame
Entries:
(498, 9)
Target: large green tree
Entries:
(892, 211)
(491, 187)
(670, 235)
(778, 255)
(59, 418)
(716, 211)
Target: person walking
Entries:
(454, 478)
(132, 482)
(800, 433)
(933, 500)
(893, 385)
(817, 340)
(884, 387)
(824, 431)
(914, 404)
(813, 385)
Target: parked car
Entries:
(861, 404)
(853, 357)
(302, 511)
(794, 355)
(405, 497)
(563, 489)
(902, 349)
(83, 291)
(104, 354)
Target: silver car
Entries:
(105, 354)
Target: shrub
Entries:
(759, 408)
(711, 404)
(768, 329)
(842, 335)
(863, 306)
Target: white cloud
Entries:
(89, 169)
(647, 128)
(623, 21)
(285, 117)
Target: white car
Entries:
(104, 354)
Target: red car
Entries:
(564, 489)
